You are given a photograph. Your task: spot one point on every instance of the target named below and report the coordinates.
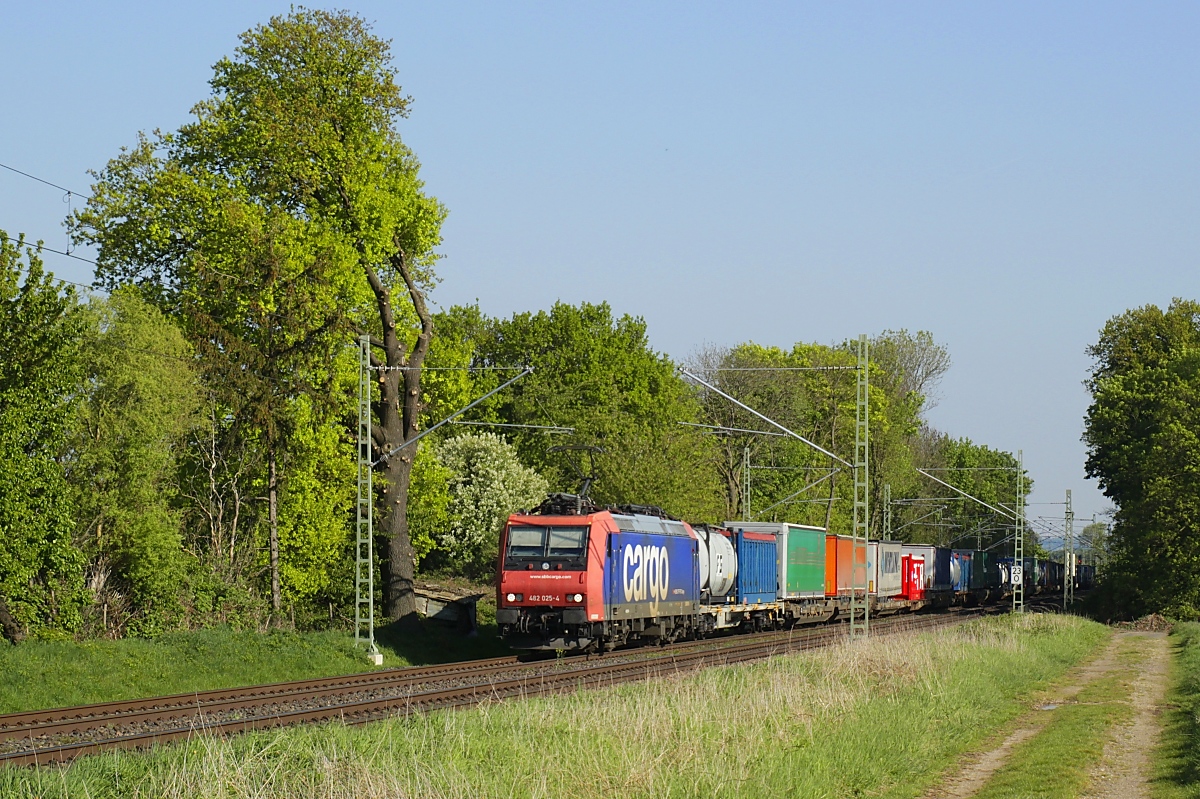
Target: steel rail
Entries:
(588, 674)
(106, 712)
(59, 721)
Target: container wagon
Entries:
(801, 561)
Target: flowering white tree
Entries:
(487, 483)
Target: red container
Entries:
(912, 573)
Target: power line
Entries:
(42, 247)
(48, 183)
(72, 282)
(38, 248)
(547, 428)
(795, 468)
(720, 429)
(444, 368)
(977, 469)
(783, 369)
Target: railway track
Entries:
(55, 736)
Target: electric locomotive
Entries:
(574, 576)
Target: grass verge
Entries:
(1177, 758)
(43, 674)
(882, 718)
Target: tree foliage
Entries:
(987, 474)
(811, 390)
(487, 482)
(597, 374)
(1143, 435)
(140, 398)
(316, 504)
(282, 222)
(41, 572)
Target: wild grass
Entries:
(43, 674)
(1177, 758)
(881, 718)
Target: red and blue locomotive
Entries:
(574, 576)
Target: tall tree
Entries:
(986, 473)
(269, 330)
(1143, 435)
(906, 369)
(41, 572)
(810, 391)
(300, 133)
(139, 398)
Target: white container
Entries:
(702, 554)
(884, 566)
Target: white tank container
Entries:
(722, 564)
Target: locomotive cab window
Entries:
(559, 545)
(567, 542)
(526, 542)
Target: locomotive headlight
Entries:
(511, 597)
(578, 597)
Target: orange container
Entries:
(831, 557)
(845, 557)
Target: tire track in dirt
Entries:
(1123, 770)
(976, 769)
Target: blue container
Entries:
(758, 569)
(960, 570)
(1055, 575)
(941, 569)
(650, 574)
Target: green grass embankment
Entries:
(1177, 759)
(44, 674)
(881, 719)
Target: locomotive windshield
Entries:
(556, 544)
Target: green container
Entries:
(805, 568)
(801, 556)
(986, 569)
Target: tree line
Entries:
(179, 449)
(1142, 431)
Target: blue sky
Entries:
(1005, 175)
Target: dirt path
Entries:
(1123, 770)
(1124, 774)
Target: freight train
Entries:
(576, 576)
